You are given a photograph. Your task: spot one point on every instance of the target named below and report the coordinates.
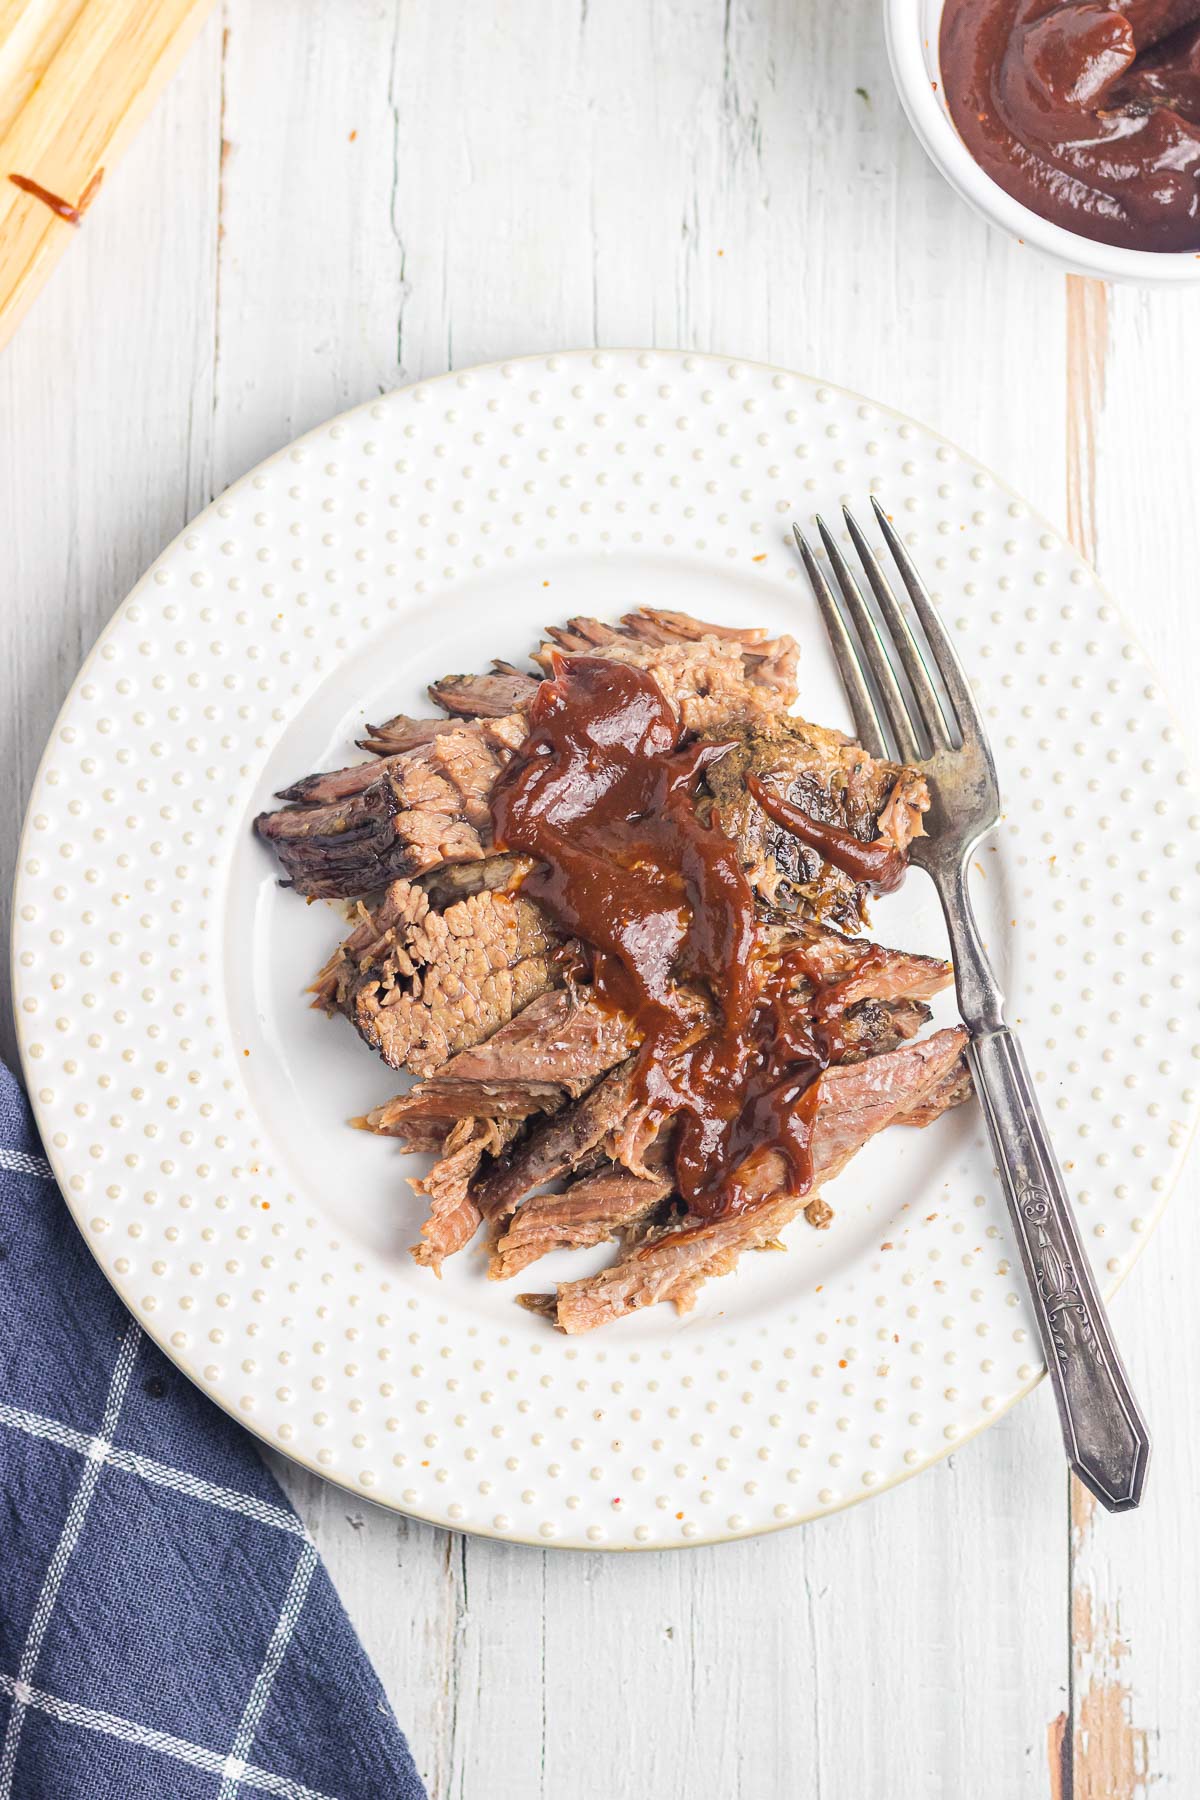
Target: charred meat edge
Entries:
(350, 830)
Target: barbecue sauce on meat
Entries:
(1086, 111)
(879, 864)
(602, 795)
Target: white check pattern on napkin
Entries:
(139, 1592)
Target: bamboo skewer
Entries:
(77, 78)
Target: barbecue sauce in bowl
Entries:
(603, 796)
(1087, 112)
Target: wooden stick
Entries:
(76, 80)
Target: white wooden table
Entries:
(336, 196)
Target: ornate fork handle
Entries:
(1106, 1436)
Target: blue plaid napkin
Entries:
(167, 1629)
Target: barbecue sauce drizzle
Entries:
(602, 795)
(73, 214)
(880, 864)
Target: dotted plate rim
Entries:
(65, 1160)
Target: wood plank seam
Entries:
(1104, 1756)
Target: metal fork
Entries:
(892, 693)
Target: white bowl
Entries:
(913, 30)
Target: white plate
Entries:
(194, 1108)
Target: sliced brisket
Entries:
(855, 1103)
(872, 1027)
(594, 1208)
(376, 934)
(420, 809)
(453, 1216)
(424, 801)
(421, 985)
(554, 1146)
(455, 881)
(550, 1052)
(394, 737)
(707, 682)
(451, 974)
(484, 696)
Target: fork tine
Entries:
(902, 638)
(844, 654)
(894, 708)
(954, 679)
